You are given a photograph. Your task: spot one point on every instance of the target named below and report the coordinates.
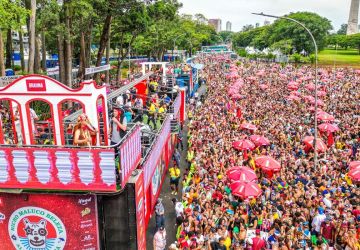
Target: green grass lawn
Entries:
(342, 58)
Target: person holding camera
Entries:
(118, 126)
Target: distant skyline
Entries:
(238, 12)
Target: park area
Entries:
(340, 57)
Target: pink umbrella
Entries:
(252, 78)
(248, 126)
(354, 164)
(309, 98)
(313, 110)
(268, 163)
(355, 174)
(243, 145)
(310, 86)
(319, 102)
(236, 96)
(263, 86)
(327, 127)
(325, 117)
(293, 86)
(245, 189)
(321, 93)
(260, 73)
(295, 93)
(320, 145)
(241, 174)
(293, 98)
(259, 140)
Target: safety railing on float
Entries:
(72, 168)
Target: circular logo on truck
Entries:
(34, 228)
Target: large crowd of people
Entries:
(302, 206)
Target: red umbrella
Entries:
(320, 145)
(293, 87)
(268, 163)
(259, 140)
(241, 174)
(310, 86)
(355, 174)
(248, 126)
(327, 127)
(245, 189)
(325, 117)
(354, 164)
(243, 145)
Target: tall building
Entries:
(216, 23)
(353, 23)
(228, 26)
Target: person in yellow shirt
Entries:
(174, 179)
(162, 112)
(152, 113)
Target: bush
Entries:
(296, 58)
(312, 59)
(17, 67)
(242, 52)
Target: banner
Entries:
(140, 212)
(157, 178)
(130, 155)
(177, 105)
(150, 164)
(51, 222)
(93, 70)
(5, 80)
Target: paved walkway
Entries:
(166, 196)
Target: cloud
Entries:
(239, 11)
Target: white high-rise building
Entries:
(228, 26)
(216, 23)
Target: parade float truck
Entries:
(58, 196)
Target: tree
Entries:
(32, 36)
(284, 29)
(247, 27)
(226, 35)
(354, 41)
(342, 30)
(12, 15)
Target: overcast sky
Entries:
(238, 12)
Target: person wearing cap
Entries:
(179, 211)
(257, 242)
(327, 231)
(159, 242)
(159, 214)
(318, 219)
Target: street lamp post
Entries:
(316, 74)
(175, 45)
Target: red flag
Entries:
(330, 138)
(238, 113)
(245, 155)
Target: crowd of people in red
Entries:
(252, 181)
